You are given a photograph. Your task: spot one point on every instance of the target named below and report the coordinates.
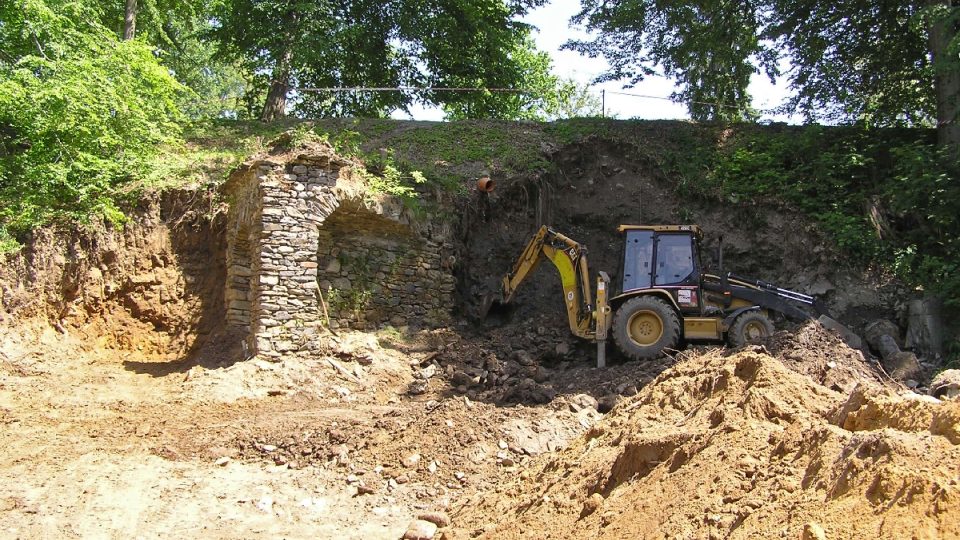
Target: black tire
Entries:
(644, 326)
(749, 327)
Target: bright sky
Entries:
(552, 22)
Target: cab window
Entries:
(638, 260)
(674, 258)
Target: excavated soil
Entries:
(128, 410)
(740, 446)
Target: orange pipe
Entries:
(485, 184)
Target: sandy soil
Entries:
(101, 444)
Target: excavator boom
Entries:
(570, 259)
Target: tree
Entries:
(708, 46)
(306, 44)
(81, 112)
(877, 62)
(130, 20)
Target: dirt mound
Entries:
(740, 446)
(820, 354)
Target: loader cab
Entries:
(665, 258)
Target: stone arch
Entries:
(287, 219)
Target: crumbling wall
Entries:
(308, 245)
(374, 271)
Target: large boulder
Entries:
(879, 328)
(903, 366)
(946, 385)
(925, 327)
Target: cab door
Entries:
(676, 269)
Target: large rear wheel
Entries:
(749, 327)
(644, 326)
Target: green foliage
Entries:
(868, 62)
(889, 198)
(872, 62)
(354, 300)
(924, 199)
(397, 43)
(707, 47)
(82, 114)
(544, 96)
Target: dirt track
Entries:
(98, 444)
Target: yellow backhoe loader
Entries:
(661, 296)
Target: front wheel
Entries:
(644, 326)
(749, 327)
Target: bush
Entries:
(82, 114)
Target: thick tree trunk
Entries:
(130, 20)
(276, 104)
(947, 79)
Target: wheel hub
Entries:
(754, 330)
(645, 327)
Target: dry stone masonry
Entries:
(309, 246)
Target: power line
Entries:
(672, 100)
(348, 89)
(337, 89)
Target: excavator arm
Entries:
(570, 259)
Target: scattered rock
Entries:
(221, 461)
(411, 461)
(606, 403)
(813, 531)
(583, 401)
(440, 519)
(420, 530)
(523, 357)
(886, 346)
(902, 366)
(591, 505)
(428, 371)
(418, 386)
(946, 385)
(879, 328)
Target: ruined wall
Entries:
(303, 237)
(374, 271)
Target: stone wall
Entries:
(308, 246)
(374, 272)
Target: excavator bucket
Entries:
(492, 305)
(486, 305)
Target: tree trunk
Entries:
(276, 104)
(130, 20)
(947, 78)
